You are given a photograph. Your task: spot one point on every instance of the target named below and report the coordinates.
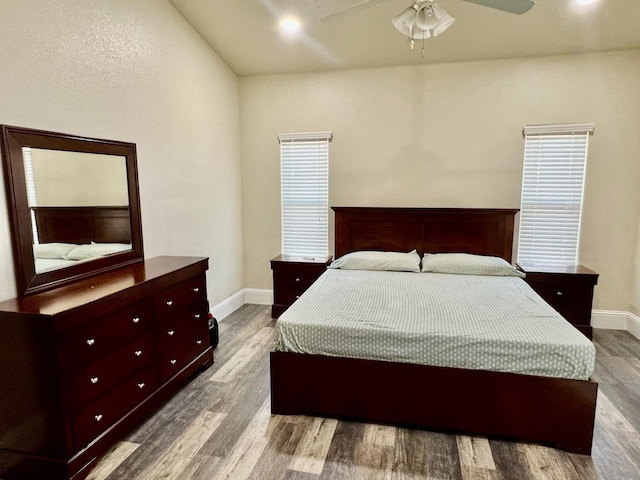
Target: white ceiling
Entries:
(245, 33)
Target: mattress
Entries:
(464, 321)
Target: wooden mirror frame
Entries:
(12, 140)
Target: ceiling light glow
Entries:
(290, 24)
(585, 2)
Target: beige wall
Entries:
(134, 70)
(451, 135)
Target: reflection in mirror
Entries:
(73, 203)
(79, 206)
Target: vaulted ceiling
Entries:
(246, 35)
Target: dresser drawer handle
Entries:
(141, 385)
(171, 332)
(297, 279)
(169, 303)
(91, 341)
(94, 380)
(196, 289)
(135, 319)
(559, 293)
(196, 316)
(173, 361)
(137, 353)
(198, 342)
(98, 417)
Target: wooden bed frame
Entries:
(556, 411)
(81, 225)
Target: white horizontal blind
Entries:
(304, 171)
(555, 158)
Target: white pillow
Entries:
(468, 264)
(82, 252)
(387, 261)
(52, 250)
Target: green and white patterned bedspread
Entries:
(463, 321)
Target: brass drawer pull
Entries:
(141, 385)
(91, 341)
(169, 303)
(171, 332)
(173, 361)
(137, 353)
(196, 289)
(135, 319)
(98, 417)
(94, 380)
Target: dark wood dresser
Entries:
(82, 364)
(568, 289)
(292, 275)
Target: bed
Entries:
(524, 405)
(68, 236)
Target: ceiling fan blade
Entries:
(512, 6)
(351, 9)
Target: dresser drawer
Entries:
(190, 292)
(180, 356)
(106, 333)
(181, 324)
(99, 415)
(108, 371)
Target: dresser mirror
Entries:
(73, 205)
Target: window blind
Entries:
(555, 158)
(304, 172)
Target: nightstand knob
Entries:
(198, 342)
(91, 341)
(137, 353)
(196, 316)
(98, 417)
(94, 380)
(559, 293)
(297, 279)
(135, 319)
(169, 303)
(141, 385)
(171, 332)
(196, 290)
(173, 361)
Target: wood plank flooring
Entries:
(220, 427)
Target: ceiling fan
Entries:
(424, 18)
(512, 6)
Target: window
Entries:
(304, 173)
(555, 157)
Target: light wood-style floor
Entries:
(220, 427)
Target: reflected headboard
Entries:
(82, 225)
(482, 231)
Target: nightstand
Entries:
(292, 275)
(568, 289)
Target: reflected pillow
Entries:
(52, 250)
(371, 260)
(468, 264)
(82, 252)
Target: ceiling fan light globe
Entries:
(404, 20)
(444, 20)
(426, 19)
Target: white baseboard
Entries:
(616, 320)
(246, 295)
(611, 319)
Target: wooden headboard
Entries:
(431, 230)
(83, 224)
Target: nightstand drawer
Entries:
(297, 279)
(573, 303)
